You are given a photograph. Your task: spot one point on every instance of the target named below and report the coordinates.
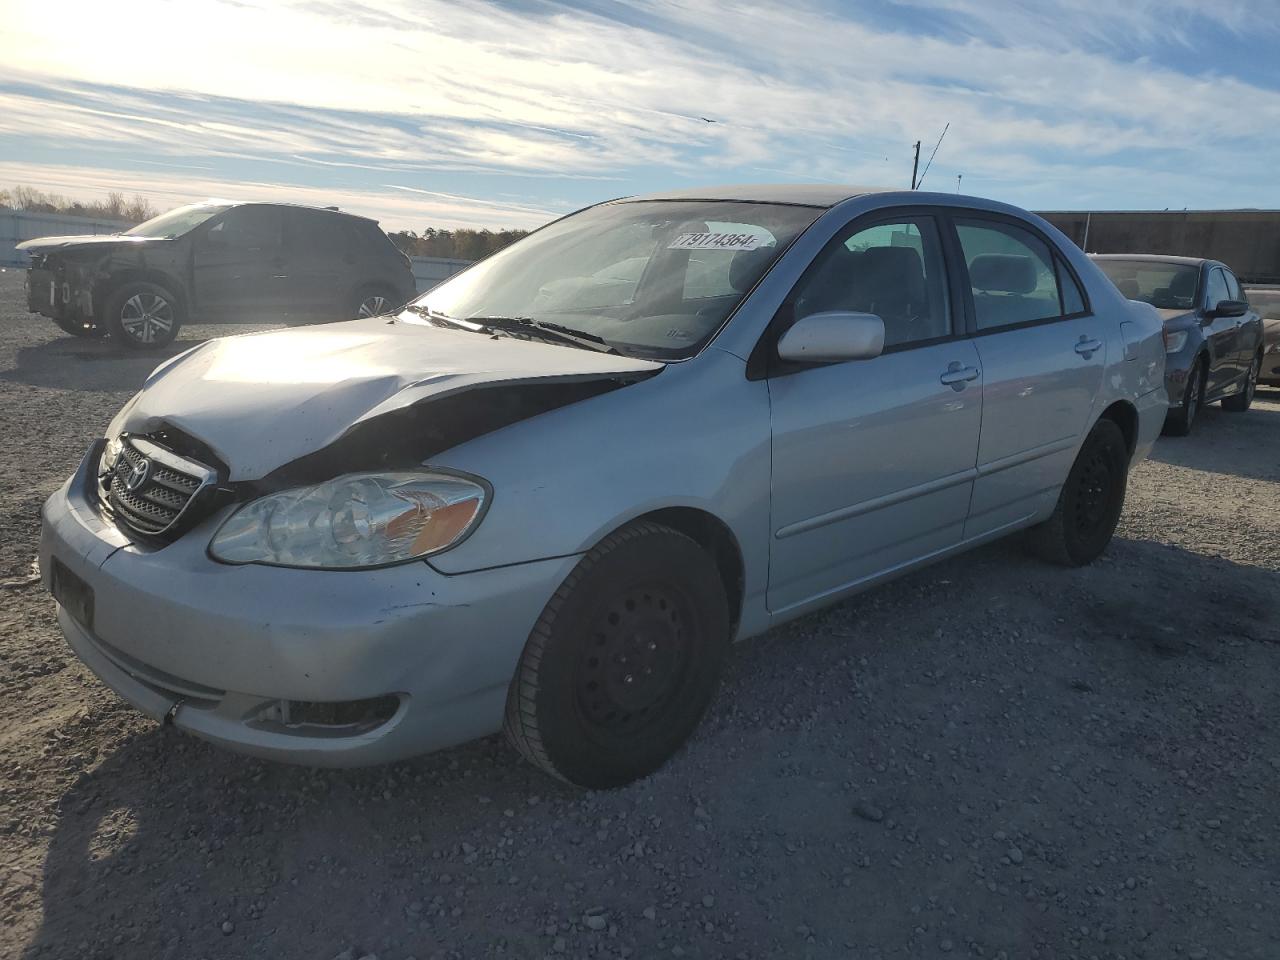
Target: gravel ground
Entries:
(990, 758)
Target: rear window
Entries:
(1168, 286)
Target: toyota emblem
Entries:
(138, 475)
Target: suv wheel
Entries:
(374, 302)
(623, 661)
(142, 316)
(1240, 402)
(1177, 423)
(1090, 502)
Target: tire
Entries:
(142, 316)
(1177, 423)
(576, 708)
(1240, 402)
(374, 301)
(1089, 505)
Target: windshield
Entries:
(649, 278)
(1168, 286)
(177, 222)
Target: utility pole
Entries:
(915, 166)
(959, 177)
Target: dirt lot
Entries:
(991, 758)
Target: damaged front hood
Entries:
(261, 401)
(46, 244)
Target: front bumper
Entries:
(216, 648)
(60, 291)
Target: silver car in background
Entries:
(548, 494)
(1266, 300)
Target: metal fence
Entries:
(19, 225)
(428, 271)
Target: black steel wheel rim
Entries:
(1093, 494)
(636, 659)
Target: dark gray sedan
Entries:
(1212, 336)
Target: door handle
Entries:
(1087, 346)
(957, 376)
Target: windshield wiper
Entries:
(569, 335)
(438, 317)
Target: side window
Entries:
(1012, 274)
(319, 235)
(1233, 286)
(893, 270)
(1072, 297)
(1217, 289)
(248, 228)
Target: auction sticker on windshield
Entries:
(715, 241)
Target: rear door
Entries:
(873, 459)
(1249, 327)
(238, 265)
(324, 271)
(1042, 353)
(1222, 334)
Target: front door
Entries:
(1221, 333)
(1043, 355)
(239, 268)
(873, 459)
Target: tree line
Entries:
(461, 244)
(115, 207)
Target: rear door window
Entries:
(1011, 273)
(319, 235)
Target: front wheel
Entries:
(1089, 505)
(142, 315)
(1177, 423)
(1240, 402)
(623, 660)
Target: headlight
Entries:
(1174, 340)
(358, 520)
(110, 454)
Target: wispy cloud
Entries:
(454, 105)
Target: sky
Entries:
(453, 113)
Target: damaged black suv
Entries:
(217, 261)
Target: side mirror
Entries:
(1230, 308)
(833, 337)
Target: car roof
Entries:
(799, 194)
(296, 206)
(1153, 258)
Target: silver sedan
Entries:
(547, 495)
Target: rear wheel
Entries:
(374, 302)
(1089, 505)
(142, 315)
(623, 661)
(1177, 423)
(1240, 402)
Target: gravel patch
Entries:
(990, 758)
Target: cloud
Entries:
(396, 99)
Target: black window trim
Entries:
(966, 286)
(764, 361)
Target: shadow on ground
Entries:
(1068, 712)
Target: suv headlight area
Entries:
(352, 521)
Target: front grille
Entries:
(150, 489)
